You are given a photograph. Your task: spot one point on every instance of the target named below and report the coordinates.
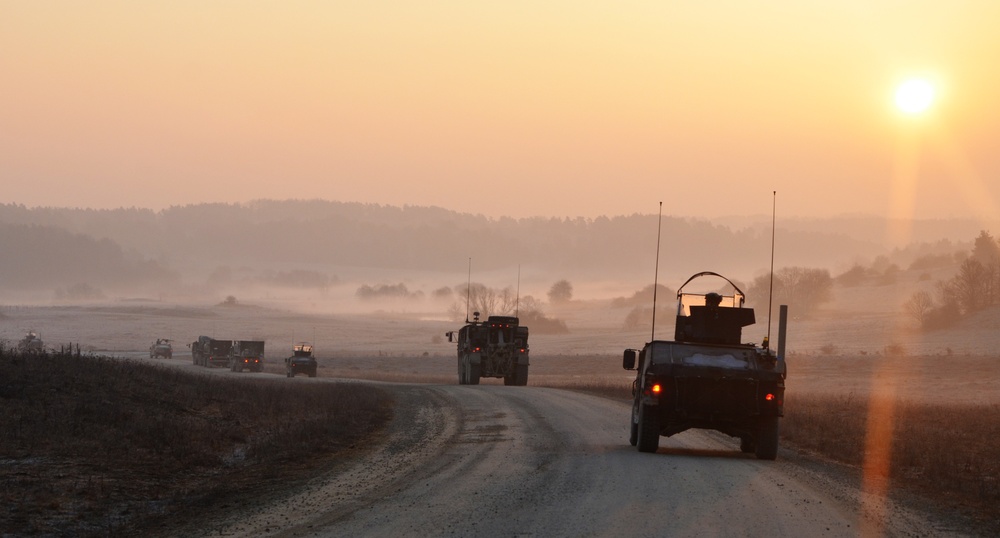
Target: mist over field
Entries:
(325, 251)
(850, 287)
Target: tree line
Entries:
(974, 287)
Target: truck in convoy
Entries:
(706, 378)
(497, 347)
(210, 352)
(247, 355)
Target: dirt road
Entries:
(492, 461)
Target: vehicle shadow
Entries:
(706, 453)
(685, 452)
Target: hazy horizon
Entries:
(515, 109)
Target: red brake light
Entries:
(656, 388)
(769, 397)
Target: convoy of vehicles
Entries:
(497, 347)
(237, 355)
(706, 378)
(301, 361)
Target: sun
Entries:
(914, 96)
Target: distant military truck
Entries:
(301, 361)
(247, 355)
(497, 347)
(210, 352)
(706, 378)
(161, 348)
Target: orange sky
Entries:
(515, 108)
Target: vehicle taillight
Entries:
(522, 350)
(656, 388)
(769, 397)
(476, 350)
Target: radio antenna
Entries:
(770, 291)
(656, 272)
(517, 300)
(468, 292)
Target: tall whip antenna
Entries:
(468, 292)
(770, 292)
(656, 272)
(517, 301)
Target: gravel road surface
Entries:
(493, 461)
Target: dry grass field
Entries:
(105, 447)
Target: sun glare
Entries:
(914, 96)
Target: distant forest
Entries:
(48, 248)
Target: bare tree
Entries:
(487, 301)
(918, 306)
(971, 288)
(802, 288)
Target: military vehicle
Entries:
(301, 361)
(209, 352)
(497, 347)
(161, 348)
(247, 355)
(706, 378)
(31, 343)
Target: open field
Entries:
(851, 379)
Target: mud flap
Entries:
(767, 438)
(649, 429)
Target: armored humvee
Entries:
(497, 347)
(301, 361)
(706, 378)
(161, 348)
(31, 343)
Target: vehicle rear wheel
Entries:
(649, 430)
(521, 375)
(473, 373)
(767, 439)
